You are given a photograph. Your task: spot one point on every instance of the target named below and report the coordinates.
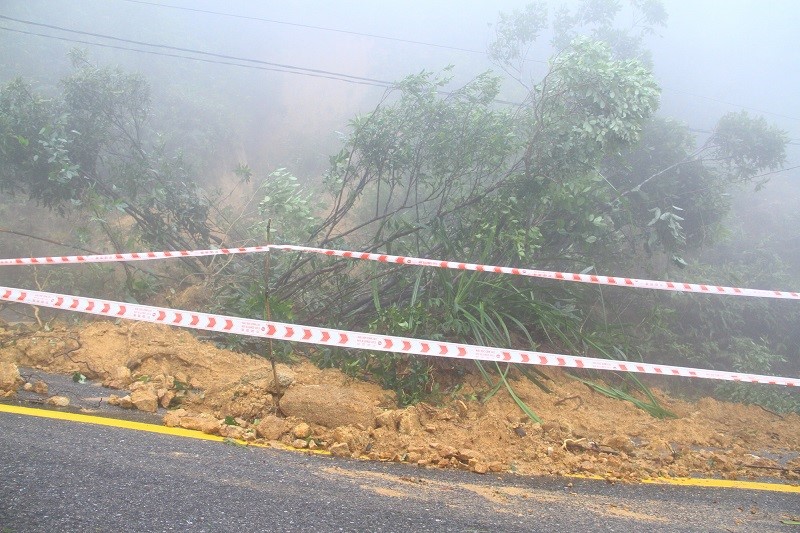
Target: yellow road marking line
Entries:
(709, 482)
(142, 426)
(724, 484)
(190, 433)
(113, 422)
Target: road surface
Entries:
(64, 475)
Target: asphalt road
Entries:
(67, 476)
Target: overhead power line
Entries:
(733, 104)
(311, 27)
(424, 43)
(255, 63)
(220, 59)
(283, 67)
(332, 76)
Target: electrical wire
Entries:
(423, 43)
(284, 67)
(257, 64)
(311, 27)
(332, 76)
(260, 64)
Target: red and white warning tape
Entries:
(562, 276)
(401, 260)
(363, 341)
(134, 256)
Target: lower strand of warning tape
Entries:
(359, 340)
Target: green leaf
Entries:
(679, 261)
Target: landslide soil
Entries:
(199, 386)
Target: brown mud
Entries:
(199, 386)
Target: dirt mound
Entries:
(236, 395)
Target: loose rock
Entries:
(329, 405)
(58, 401)
(302, 431)
(202, 422)
(40, 387)
(145, 399)
(10, 380)
(340, 449)
(271, 427)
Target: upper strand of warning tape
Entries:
(674, 286)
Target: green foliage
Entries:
(745, 146)
(580, 175)
(684, 190)
(516, 31)
(599, 20)
(751, 357)
(288, 205)
(650, 405)
(90, 148)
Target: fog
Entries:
(713, 56)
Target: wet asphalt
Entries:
(66, 476)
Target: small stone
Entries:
(430, 428)
(447, 452)
(166, 398)
(285, 379)
(413, 457)
(496, 466)
(232, 432)
(10, 379)
(271, 427)
(58, 401)
(299, 444)
(480, 468)
(125, 402)
(121, 373)
(302, 431)
(27, 387)
(408, 421)
(339, 449)
(466, 455)
(171, 419)
(113, 399)
(202, 422)
(620, 443)
(145, 399)
(386, 419)
(312, 444)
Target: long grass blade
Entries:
(522, 405)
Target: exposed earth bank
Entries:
(198, 386)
